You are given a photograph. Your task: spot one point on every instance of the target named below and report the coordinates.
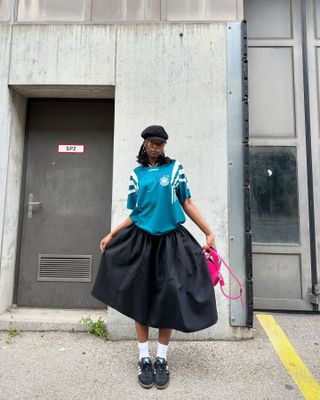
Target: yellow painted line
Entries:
(299, 372)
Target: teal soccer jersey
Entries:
(156, 195)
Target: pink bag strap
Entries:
(213, 253)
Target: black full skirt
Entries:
(161, 281)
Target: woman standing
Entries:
(152, 269)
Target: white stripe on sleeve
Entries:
(134, 176)
(174, 170)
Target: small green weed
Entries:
(12, 331)
(97, 328)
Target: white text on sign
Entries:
(71, 148)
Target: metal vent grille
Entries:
(66, 268)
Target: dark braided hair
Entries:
(142, 158)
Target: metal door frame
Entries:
(310, 43)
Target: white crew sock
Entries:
(162, 350)
(143, 349)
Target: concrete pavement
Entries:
(65, 365)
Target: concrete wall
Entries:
(123, 10)
(17, 117)
(5, 122)
(168, 79)
(6, 10)
(63, 55)
(170, 74)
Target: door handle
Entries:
(31, 204)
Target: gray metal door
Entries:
(67, 201)
(279, 190)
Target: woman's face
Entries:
(154, 148)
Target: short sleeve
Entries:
(183, 190)
(132, 191)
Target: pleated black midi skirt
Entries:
(161, 281)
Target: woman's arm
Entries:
(192, 211)
(105, 241)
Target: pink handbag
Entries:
(214, 262)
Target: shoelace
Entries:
(161, 368)
(146, 367)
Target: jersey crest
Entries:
(164, 180)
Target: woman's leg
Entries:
(145, 371)
(142, 332)
(143, 343)
(164, 335)
(161, 377)
(163, 342)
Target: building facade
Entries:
(81, 79)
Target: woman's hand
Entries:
(210, 241)
(105, 241)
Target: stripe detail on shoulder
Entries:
(134, 177)
(175, 180)
(174, 171)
